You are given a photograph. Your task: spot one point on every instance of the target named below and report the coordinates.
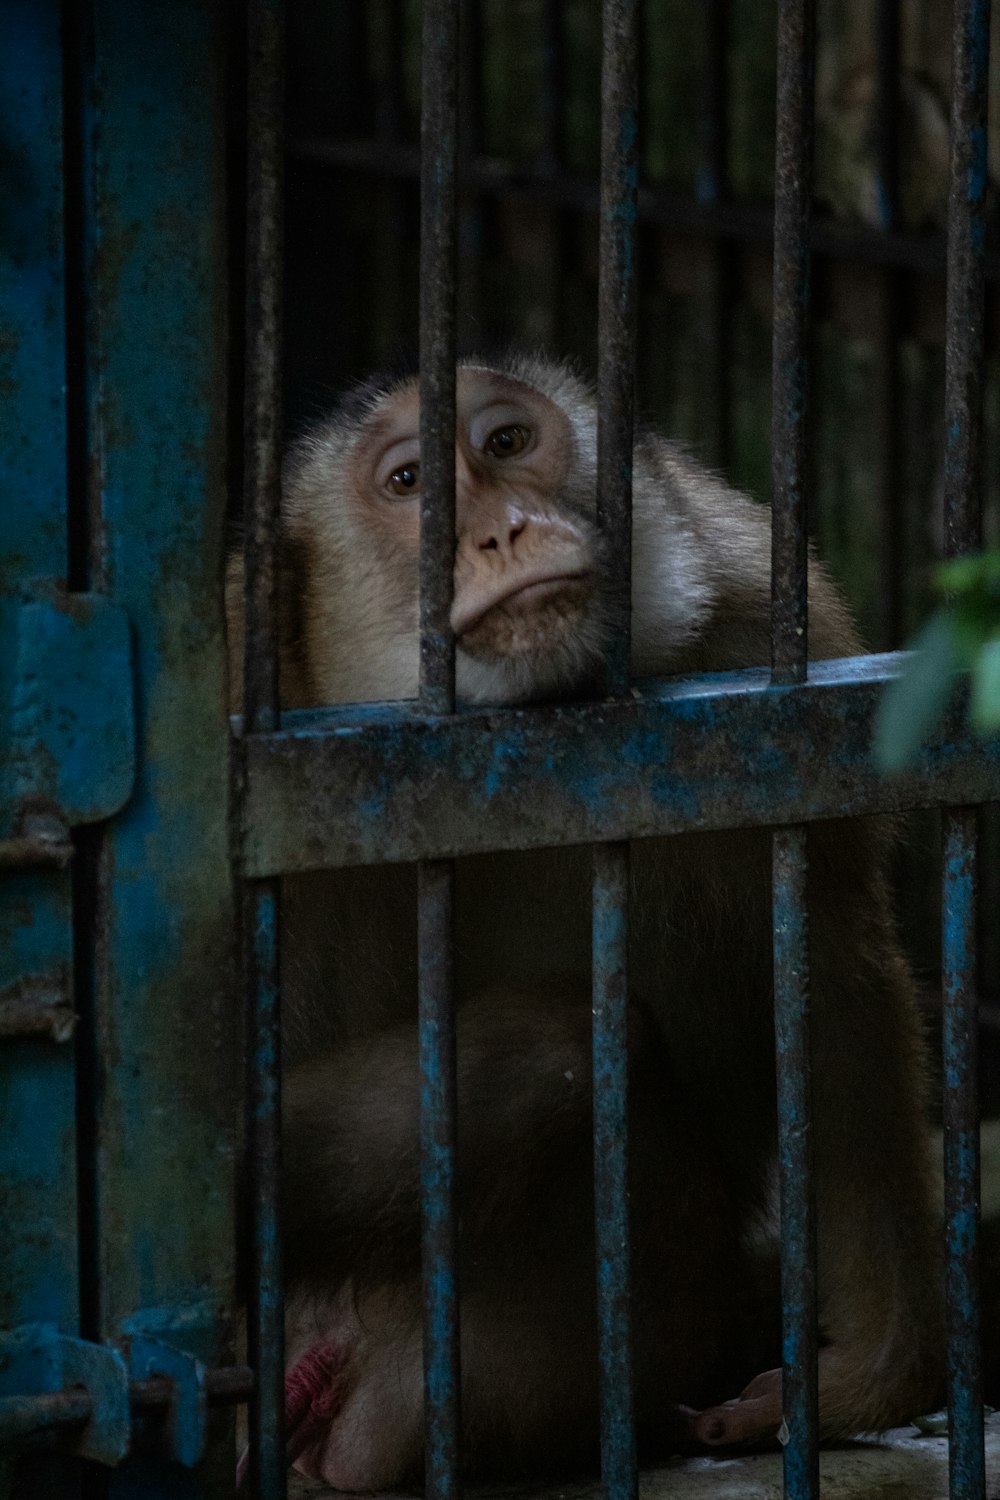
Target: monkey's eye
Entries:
(507, 441)
(405, 481)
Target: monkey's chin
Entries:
(517, 654)
(535, 620)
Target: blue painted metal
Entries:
(963, 477)
(356, 786)
(38, 1271)
(38, 1358)
(617, 297)
(790, 365)
(67, 738)
(181, 1429)
(435, 880)
(159, 1101)
(795, 1160)
(265, 1305)
(266, 1461)
(619, 1471)
(960, 1107)
(439, 1218)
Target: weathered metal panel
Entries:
(38, 1263)
(163, 1103)
(374, 783)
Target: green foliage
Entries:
(963, 636)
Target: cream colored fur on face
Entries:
(700, 570)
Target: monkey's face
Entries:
(527, 611)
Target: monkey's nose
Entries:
(492, 544)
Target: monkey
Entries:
(532, 615)
(529, 1389)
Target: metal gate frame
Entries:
(118, 1163)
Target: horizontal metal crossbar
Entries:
(374, 782)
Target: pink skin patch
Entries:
(313, 1397)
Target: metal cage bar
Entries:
(888, 334)
(611, 1143)
(964, 347)
(266, 1462)
(617, 287)
(435, 880)
(789, 650)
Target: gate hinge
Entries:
(38, 1360)
(67, 730)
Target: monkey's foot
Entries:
(753, 1417)
(313, 1396)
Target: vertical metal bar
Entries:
(963, 508)
(616, 317)
(789, 648)
(437, 1148)
(262, 406)
(167, 1038)
(472, 231)
(261, 899)
(961, 1156)
(614, 1309)
(439, 148)
(889, 601)
(617, 295)
(265, 1309)
(435, 879)
(713, 187)
(798, 1223)
(792, 192)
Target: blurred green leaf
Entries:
(912, 703)
(961, 575)
(984, 700)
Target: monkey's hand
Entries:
(753, 1417)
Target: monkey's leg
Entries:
(878, 1273)
(529, 1366)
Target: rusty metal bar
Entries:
(712, 186)
(265, 1306)
(616, 316)
(722, 752)
(614, 1300)
(960, 1104)
(42, 1418)
(887, 335)
(439, 160)
(262, 498)
(789, 648)
(798, 1216)
(964, 344)
(442, 1417)
(616, 335)
(435, 880)
(792, 194)
(262, 408)
(551, 157)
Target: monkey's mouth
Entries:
(522, 597)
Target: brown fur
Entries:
(701, 935)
